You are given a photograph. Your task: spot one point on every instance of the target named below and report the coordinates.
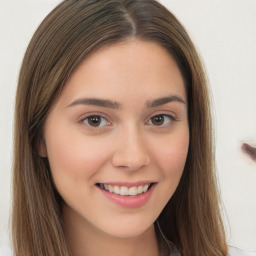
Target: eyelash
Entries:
(170, 117)
(107, 123)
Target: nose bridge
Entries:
(131, 150)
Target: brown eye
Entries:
(95, 121)
(161, 120)
(158, 120)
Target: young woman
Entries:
(113, 144)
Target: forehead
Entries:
(131, 67)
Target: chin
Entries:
(129, 229)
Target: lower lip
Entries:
(129, 201)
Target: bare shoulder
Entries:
(233, 251)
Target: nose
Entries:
(131, 151)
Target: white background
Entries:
(225, 33)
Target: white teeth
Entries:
(110, 188)
(125, 191)
(116, 190)
(145, 188)
(133, 191)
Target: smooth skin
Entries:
(122, 117)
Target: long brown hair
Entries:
(74, 29)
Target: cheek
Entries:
(172, 155)
(73, 156)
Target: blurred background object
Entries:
(249, 150)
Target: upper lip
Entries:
(127, 184)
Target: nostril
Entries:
(249, 150)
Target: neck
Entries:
(84, 239)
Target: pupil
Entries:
(94, 120)
(158, 120)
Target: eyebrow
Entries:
(96, 102)
(116, 105)
(164, 100)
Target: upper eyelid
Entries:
(161, 112)
(103, 115)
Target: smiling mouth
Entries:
(125, 191)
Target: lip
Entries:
(131, 202)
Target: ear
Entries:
(41, 148)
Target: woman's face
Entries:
(120, 126)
